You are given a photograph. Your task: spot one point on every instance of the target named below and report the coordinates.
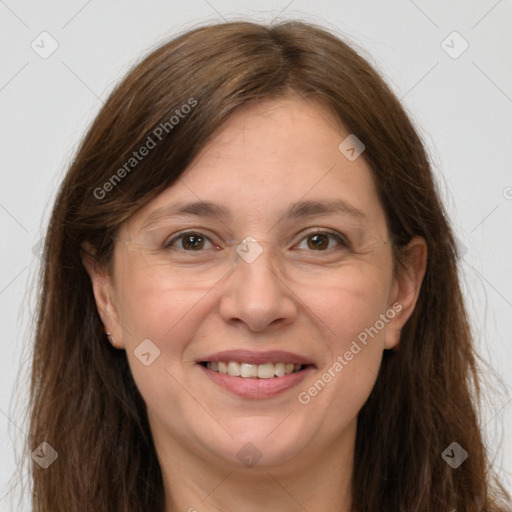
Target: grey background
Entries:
(462, 106)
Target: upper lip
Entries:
(248, 356)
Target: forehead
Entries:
(273, 140)
(271, 154)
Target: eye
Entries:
(323, 240)
(189, 241)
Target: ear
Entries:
(104, 296)
(406, 289)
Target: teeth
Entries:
(265, 371)
(248, 370)
(279, 369)
(233, 369)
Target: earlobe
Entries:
(406, 288)
(103, 295)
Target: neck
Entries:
(315, 484)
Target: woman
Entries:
(250, 297)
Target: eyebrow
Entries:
(213, 210)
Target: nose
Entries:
(256, 295)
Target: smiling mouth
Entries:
(254, 371)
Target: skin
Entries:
(293, 298)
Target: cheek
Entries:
(353, 318)
(149, 310)
(354, 338)
(149, 307)
(168, 318)
(352, 307)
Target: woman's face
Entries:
(314, 286)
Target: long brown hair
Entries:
(84, 402)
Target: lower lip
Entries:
(256, 388)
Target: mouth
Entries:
(256, 374)
(246, 370)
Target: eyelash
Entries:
(342, 240)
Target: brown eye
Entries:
(192, 242)
(323, 241)
(318, 241)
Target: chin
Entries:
(263, 442)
